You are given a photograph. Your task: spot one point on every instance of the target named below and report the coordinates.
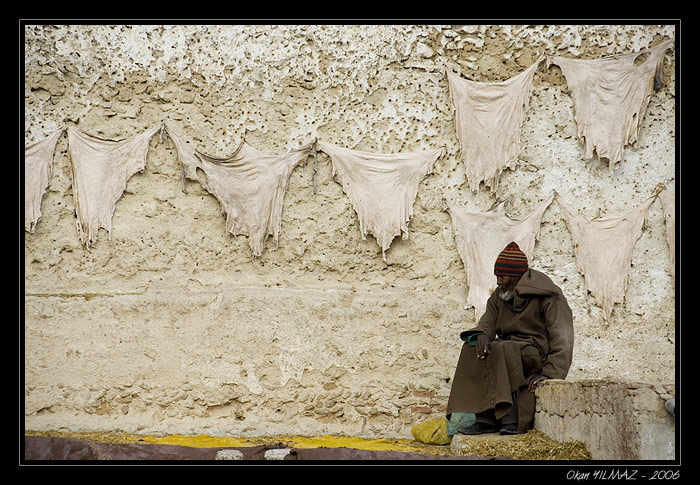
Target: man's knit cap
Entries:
(511, 261)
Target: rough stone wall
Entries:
(616, 420)
(173, 326)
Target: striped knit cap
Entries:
(511, 262)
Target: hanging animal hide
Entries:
(250, 185)
(37, 174)
(668, 202)
(100, 171)
(480, 237)
(603, 248)
(382, 187)
(610, 97)
(488, 120)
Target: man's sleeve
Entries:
(559, 323)
(487, 322)
(470, 336)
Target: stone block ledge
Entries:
(614, 419)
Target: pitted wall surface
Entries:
(174, 327)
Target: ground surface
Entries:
(531, 446)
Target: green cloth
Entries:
(471, 340)
(459, 420)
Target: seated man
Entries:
(525, 335)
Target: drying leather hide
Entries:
(37, 174)
(382, 187)
(610, 97)
(100, 170)
(668, 203)
(488, 120)
(603, 248)
(480, 237)
(250, 185)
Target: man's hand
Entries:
(482, 346)
(533, 380)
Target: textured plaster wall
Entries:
(173, 326)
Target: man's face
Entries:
(507, 283)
